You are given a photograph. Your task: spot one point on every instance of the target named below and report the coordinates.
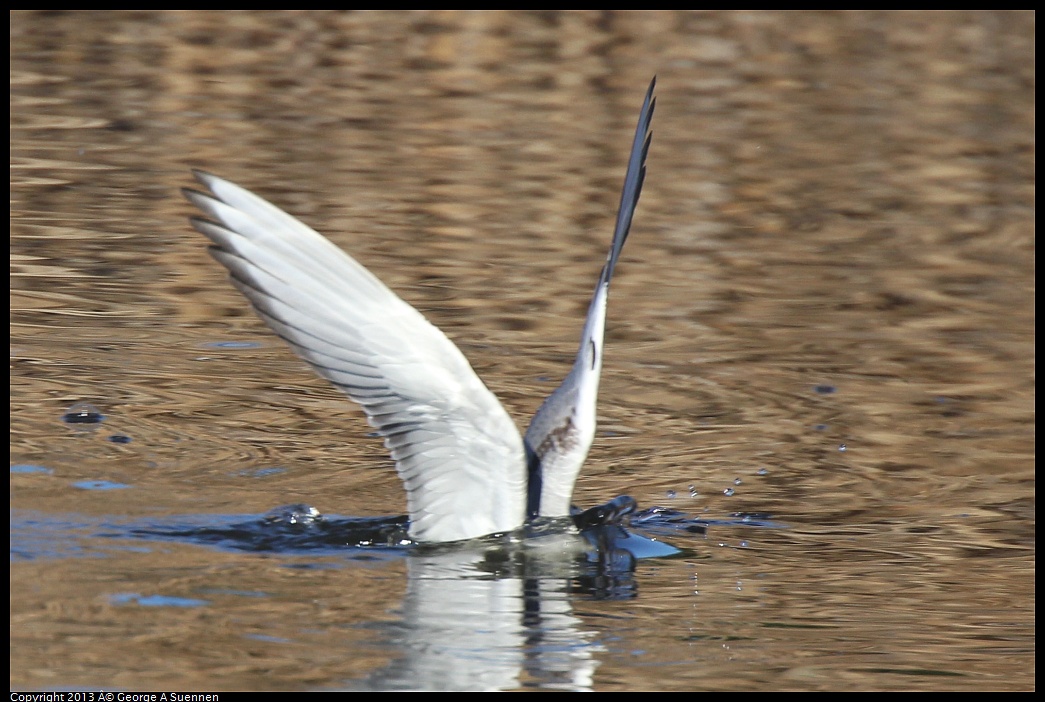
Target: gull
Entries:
(467, 471)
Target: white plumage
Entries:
(467, 471)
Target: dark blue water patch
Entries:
(35, 536)
(126, 598)
(120, 439)
(666, 522)
(29, 468)
(268, 639)
(302, 530)
(617, 535)
(260, 472)
(100, 485)
(289, 530)
(39, 536)
(824, 389)
(232, 345)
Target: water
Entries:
(834, 249)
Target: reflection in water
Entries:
(468, 625)
(487, 614)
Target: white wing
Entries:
(561, 432)
(454, 445)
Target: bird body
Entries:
(467, 471)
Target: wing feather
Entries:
(455, 447)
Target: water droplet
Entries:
(728, 492)
(120, 439)
(299, 514)
(820, 427)
(841, 447)
(736, 481)
(693, 491)
(670, 494)
(824, 389)
(83, 413)
(762, 471)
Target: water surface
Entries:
(823, 318)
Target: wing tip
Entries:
(203, 176)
